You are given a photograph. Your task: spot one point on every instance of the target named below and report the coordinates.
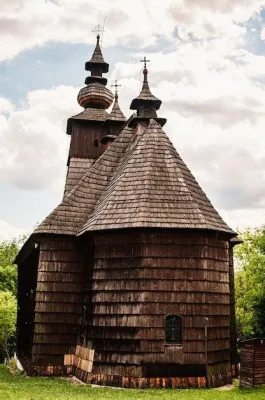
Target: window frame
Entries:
(181, 329)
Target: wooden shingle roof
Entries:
(92, 114)
(89, 114)
(116, 113)
(145, 95)
(95, 95)
(76, 207)
(77, 168)
(97, 59)
(152, 187)
(140, 181)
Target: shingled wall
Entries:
(138, 279)
(27, 280)
(59, 300)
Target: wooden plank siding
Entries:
(27, 280)
(83, 138)
(252, 365)
(133, 281)
(59, 299)
(139, 278)
(111, 292)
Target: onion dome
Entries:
(95, 95)
(146, 103)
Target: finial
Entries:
(116, 89)
(145, 61)
(145, 71)
(98, 28)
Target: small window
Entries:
(173, 329)
(96, 143)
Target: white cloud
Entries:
(34, 145)
(6, 105)
(8, 232)
(213, 18)
(213, 98)
(241, 219)
(212, 91)
(28, 23)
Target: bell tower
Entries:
(86, 129)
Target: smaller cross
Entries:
(98, 29)
(116, 86)
(145, 61)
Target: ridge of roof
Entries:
(153, 188)
(74, 210)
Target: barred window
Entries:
(173, 329)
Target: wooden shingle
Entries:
(152, 187)
(75, 209)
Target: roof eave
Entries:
(136, 103)
(102, 65)
(229, 233)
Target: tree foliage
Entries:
(8, 271)
(8, 311)
(8, 294)
(250, 283)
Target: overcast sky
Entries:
(207, 66)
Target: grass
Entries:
(19, 387)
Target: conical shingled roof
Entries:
(116, 113)
(71, 214)
(152, 187)
(140, 181)
(145, 95)
(97, 58)
(89, 114)
(77, 168)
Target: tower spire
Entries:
(116, 113)
(146, 103)
(116, 89)
(95, 95)
(115, 121)
(97, 65)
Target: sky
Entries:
(207, 65)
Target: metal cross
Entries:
(145, 61)
(116, 86)
(98, 29)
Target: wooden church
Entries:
(129, 281)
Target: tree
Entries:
(8, 293)
(250, 283)
(8, 271)
(8, 311)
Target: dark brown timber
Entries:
(130, 280)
